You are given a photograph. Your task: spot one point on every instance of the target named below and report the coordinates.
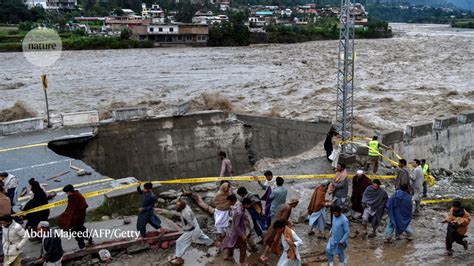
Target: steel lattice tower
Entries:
(345, 74)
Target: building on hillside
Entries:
(117, 23)
(173, 34)
(307, 9)
(52, 4)
(209, 20)
(224, 5)
(154, 11)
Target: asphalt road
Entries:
(41, 163)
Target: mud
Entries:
(427, 247)
(423, 72)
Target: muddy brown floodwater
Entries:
(423, 72)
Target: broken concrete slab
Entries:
(80, 118)
(466, 117)
(444, 122)
(419, 129)
(133, 113)
(389, 137)
(21, 126)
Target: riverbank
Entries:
(11, 37)
(465, 24)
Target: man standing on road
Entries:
(328, 143)
(10, 183)
(400, 213)
(339, 236)
(146, 213)
(51, 246)
(403, 175)
(317, 210)
(14, 238)
(237, 237)
(339, 187)
(373, 200)
(373, 155)
(417, 177)
(360, 182)
(268, 186)
(73, 218)
(426, 172)
(278, 197)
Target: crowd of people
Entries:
(245, 220)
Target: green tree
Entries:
(186, 11)
(125, 34)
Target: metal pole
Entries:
(44, 82)
(47, 107)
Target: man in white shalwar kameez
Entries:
(192, 233)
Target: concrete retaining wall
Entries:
(188, 146)
(80, 118)
(449, 145)
(20, 126)
(278, 137)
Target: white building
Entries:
(154, 11)
(51, 4)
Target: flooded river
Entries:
(423, 72)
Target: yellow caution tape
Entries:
(175, 181)
(64, 201)
(75, 185)
(434, 201)
(25, 147)
(199, 180)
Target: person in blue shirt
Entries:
(147, 210)
(339, 236)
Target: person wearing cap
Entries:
(417, 178)
(360, 182)
(146, 213)
(317, 209)
(270, 238)
(73, 218)
(51, 247)
(269, 185)
(14, 238)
